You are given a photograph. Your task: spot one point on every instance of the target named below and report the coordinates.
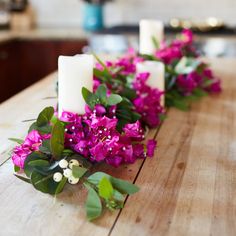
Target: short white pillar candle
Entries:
(74, 72)
(157, 75)
(149, 30)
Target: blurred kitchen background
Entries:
(33, 33)
(67, 12)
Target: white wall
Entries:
(69, 12)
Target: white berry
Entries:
(63, 163)
(73, 180)
(72, 163)
(57, 177)
(67, 173)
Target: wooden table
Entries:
(188, 188)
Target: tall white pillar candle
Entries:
(74, 73)
(149, 29)
(157, 75)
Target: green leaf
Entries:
(101, 63)
(40, 182)
(208, 82)
(44, 183)
(118, 196)
(48, 169)
(181, 104)
(32, 157)
(128, 93)
(155, 42)
(162, 117)
(114, 99)
(54, 120)
(23, 179)
(98, 73)
(86, 93)
(45, 147)
(42, 123)
(105, 188)
(67, 152)
(135, 116)
(78, 171)
(121, 123)
(125, 103)
(93, 204)
(149, 57)
(16, 168)
(45, 116)
(171, 82)
(102, 93)
(46, 129)
(96, 177)
(104, 76)
(61, 185)
(57, 140)
(126, 114)
(90, 98)
(33, 127)
(187, 65)
(123, 186)
(19, 141)
(39, 163)
(199, 92)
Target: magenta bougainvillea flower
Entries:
(186, 83)
(169, 54)
(134, 131)
(95, 137)
(214, 82)
(19, 155)
(215, 87)
(31, 143)
(182, 46)
(127, 65)
(147, 103)
(151, 145)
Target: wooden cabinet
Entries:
(9, 71)
(23, 62)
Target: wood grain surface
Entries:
(188, 188)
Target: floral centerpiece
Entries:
(61, 149)
(187, 77)
(64, 150)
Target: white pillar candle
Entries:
(149, 29)
(74, 73)
(157, 75)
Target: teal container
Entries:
(93, 17)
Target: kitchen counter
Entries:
(187, 188)
(79, 33)
(221, 45)
(46, 33)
